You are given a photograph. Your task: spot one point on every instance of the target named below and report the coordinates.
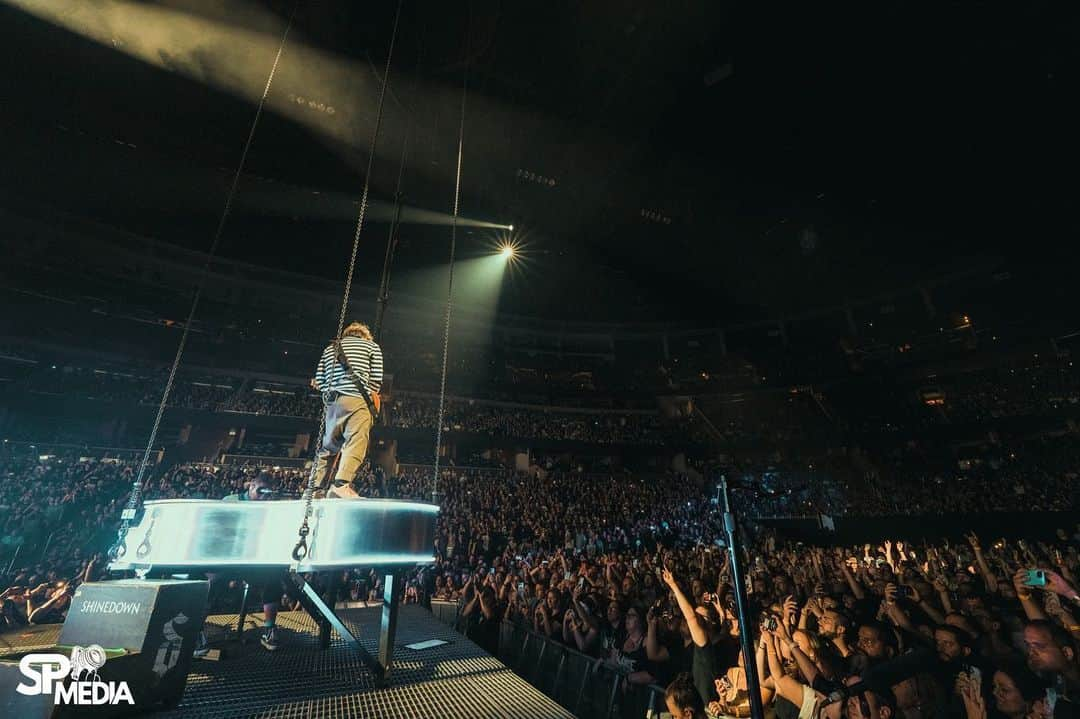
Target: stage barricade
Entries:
(575, 680)
(445, 612)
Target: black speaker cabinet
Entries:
(142, 632)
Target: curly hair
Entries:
(358, 329)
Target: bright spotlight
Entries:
(507, 251)
(510, 227)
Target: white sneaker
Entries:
(344, 491)
(202, 647)
(269, 639)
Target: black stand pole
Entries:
(746, 639)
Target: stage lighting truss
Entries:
(530, 176)
(312, 104)
(655, 216)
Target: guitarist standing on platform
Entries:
(349, 376)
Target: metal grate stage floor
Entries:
(457, 679)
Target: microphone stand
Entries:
(753, 682)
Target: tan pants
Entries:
(348, 425)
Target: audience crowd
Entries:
(631, 569)
(505, 421)
(627, 568)
(1033, 386)
(629, 573)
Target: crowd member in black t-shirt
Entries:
(612, 626)
(629, 655)
(663, 645)
(875, 643)
(835, 626)
(548, 617)
(706, 662)
(482, 615)
(581, 628)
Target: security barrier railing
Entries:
(580, 683)
(445, 612)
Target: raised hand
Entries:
(974, 705)
(1019, 581)
(791, 609)
(782, 632)
(1057, 584)
(652, 616)
(1040, 709)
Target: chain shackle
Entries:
(119, 548)
(300, 551)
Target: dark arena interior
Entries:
(513, 359)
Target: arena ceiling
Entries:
(702, 160)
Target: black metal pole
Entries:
(746, 639)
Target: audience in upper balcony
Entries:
(1038, 385)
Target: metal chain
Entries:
(300, 550)
(118, 550)
(450, 288)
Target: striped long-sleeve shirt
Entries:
(365, 358)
